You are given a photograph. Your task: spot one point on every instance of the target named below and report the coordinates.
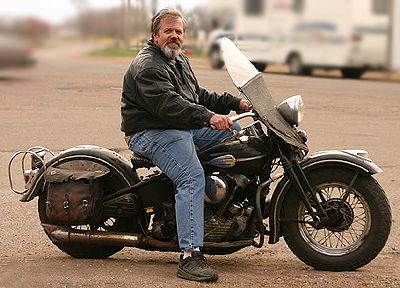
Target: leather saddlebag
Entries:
(74, 197)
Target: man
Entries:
(165, 116)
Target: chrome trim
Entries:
(242, 115)
(251, 158)
(225, 161)
(30, 151)
(359, 153)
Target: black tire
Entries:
(359, 232)
(215, 58)
(260, 66)
(352, 73)
(296, 66)
(79, 250)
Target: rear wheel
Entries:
(357, 229)
(352, 73)
(79, 250)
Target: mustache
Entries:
(174, 42)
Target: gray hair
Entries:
(162, 14)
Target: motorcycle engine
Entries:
(229, 226)
(219, 229)
(216, 188)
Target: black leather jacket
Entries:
(156, 95)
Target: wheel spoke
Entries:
(350, 220)
(341, 239)
(326, 237)
(359, 218)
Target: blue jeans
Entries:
(174, 152)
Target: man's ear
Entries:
(154, 36)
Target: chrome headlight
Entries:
(292, 109)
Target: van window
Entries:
(254, 7)
(381, 7)
(298, 6)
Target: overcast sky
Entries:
(57, 11)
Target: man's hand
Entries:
(245, 105)
(220, 122)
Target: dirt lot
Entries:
(70, 99)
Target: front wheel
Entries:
(358, 227)
(352, 73)
(296, 66)
(215, 58)
(260, 66)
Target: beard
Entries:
(170, 52)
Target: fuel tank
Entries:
(244, 155)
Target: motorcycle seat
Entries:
(139, 161)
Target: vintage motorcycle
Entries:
(261, 184)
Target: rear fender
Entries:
(118, 165)
(346, 159)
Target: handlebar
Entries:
(235, 118)
(242, 115)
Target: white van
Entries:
(350, 35)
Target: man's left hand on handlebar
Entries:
(245, 105)
(223, 122)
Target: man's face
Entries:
(170, 36)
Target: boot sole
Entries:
(185, 275)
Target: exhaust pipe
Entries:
(61, 234)
(70, 235)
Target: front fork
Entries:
(299, 180)
(303, 187)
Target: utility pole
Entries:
(154, 7)
(394, 36)
(121, 34)
(128, 24)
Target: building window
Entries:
(254, 7)
(381, 7)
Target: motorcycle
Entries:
(261, 184)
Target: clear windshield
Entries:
(251, 83)
(239, 67)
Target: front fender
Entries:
(356, 160)
(117, 164)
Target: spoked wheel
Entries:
(358, 225)
(80, 250)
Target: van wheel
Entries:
(296, 66)
(215, 58)
(352, 73)
(260, 66)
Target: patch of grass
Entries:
(120, 52)
(114, 52)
